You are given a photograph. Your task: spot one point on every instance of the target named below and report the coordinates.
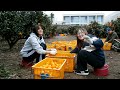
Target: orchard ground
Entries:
(10, 59)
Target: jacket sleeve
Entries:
(36, 46)
(98, 44)
(112, 38)
(75, 50)
(107, 38)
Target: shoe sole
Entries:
(82, 74)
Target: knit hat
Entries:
(108, 29)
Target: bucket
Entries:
(26, 64)
(101, 71)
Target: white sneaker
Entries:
(86, 72)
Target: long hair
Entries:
(35, 29)
(80, 42)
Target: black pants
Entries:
(35, 55)
(84, 58)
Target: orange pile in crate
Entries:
(62, 35)
(55, 42)
(54, 67)
(70, 59)
(73, 42)
(62, 42)
(50, 45)
(107, 46)
(70, 47)
(63, 45)
(60, 47)
(59, 51)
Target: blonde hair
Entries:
(82, 30)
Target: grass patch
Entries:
(3, 72)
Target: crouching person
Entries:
(34, 48)
(88, 52)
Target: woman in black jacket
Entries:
(88, 52)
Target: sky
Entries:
(58, 15)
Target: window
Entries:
(83, 19)
(91, 18)
(100, 19)
(67, 19)
(74, 19)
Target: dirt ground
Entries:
(11, 58)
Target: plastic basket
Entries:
(53, 68)
(59, 51)
(70, 60)
(50, 45)
(62, 35)
(103, 39)
(70, 47)
(107, 46)
(60, 47)
(73, 42)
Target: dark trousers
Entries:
(35, 55)
(84, 58)
(31, 58)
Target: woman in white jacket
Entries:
(34, 47)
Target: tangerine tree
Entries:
(15, 25)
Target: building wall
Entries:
(83, 19)
(112, 16)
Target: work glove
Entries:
(53, 49)
(53, 52)
(88, 39)
(106, 44)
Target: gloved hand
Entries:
(53, 49)
(88, 39)
(106, 44)
(53, 52)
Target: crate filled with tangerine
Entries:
(49, 68)
(70, 59)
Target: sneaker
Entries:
(86, 72)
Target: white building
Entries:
(58, 22)
(112, 16)
(82, 19)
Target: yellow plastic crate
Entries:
(103, 39)
(50, 46)
(70, 60)
(62, 35)
(73, 42)
(54, 67)
(70, 47)
(55, 42)
(59, 51)
(107, 46)
(60, 47)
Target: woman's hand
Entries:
(106, 44)
(53, 52)
(53, 49)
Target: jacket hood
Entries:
(33, 35)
